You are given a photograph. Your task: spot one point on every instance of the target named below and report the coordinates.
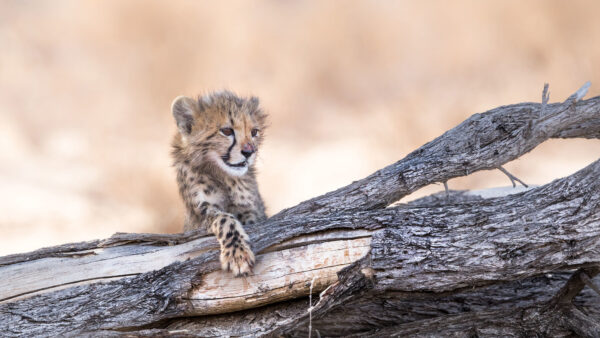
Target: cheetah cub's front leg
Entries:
(236, 254)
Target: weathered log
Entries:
(554, 317)
(433, 250)
(449, 248)
(482, 142)
(317, 256)
(374, 312)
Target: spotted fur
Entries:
(214, 153)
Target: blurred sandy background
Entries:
(86, 86)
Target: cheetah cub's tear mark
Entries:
(214, 153)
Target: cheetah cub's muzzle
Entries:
(240, 151)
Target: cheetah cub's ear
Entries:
(184, 111)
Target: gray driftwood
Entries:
(454, 263)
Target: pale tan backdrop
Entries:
(351, 86)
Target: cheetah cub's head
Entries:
(221, 128)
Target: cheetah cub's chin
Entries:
(214, 152)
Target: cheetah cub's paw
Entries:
(236, 254)
(238, 259)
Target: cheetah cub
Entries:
(214, 153)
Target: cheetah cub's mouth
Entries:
(237, 165)
(233, 169)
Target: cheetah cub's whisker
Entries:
(214, 153)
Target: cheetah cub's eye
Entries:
(254, 132)
(226, 131)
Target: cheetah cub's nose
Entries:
(247, 150)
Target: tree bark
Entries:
(454, 263)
